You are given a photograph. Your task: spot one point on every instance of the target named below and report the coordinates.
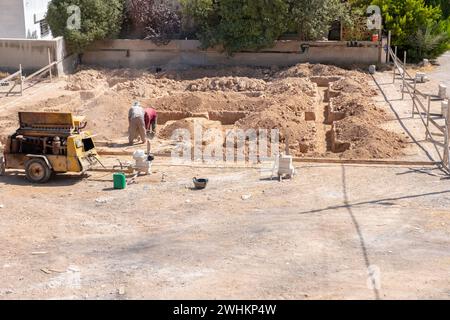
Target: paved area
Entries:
(442, 73)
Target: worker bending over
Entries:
(151, 119)
(136, 122)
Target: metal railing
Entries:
(16, 75)
(22, 79)
(409, 86)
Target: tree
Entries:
(405, 18)
(416, 25)
(238, 24)
(444, 4)
(429, 42)
(313, 18)
(153, 20)
(99, 19)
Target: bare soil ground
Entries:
(316, 237)
(290, 100)
(331, 233)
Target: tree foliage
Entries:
(100, 19)
(313, 18)
(153, 19)
(253, 24)
(238, 24)
(416, 25)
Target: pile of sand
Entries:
(288, 116)
(353, 86)
(358, 105)
(292, 86)
(306, 70)
(368, 140)
(207, 101)
(85, 80)
(189, 125)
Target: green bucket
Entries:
(120, 181)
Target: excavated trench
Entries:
(323, 115)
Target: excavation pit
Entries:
(304, 102)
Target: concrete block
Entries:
(420, 77)
(444, 108)
(442, 91)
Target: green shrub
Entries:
(417, 26)
(100, 19)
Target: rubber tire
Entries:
(40, 163)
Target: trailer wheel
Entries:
(2, 166)
(37, 171)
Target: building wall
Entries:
(182, 53)
(21, 18)
(35, 11)
(12, 20)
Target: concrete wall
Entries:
(12, 19)
(33, 55)
(180, 53)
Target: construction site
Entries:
(365, 216)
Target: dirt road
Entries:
(312, 238)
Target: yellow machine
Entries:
(49, 143)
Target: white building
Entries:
(24, 19)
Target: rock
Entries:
(102, 200)
(246, 197)
(1, 206)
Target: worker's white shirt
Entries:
(136, 112)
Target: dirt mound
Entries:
(288, 116)
(352, 85)
(85, 80)
(208, 101)
(227, 84)
(219, 72)
(357, 105)
(305, 70)
(368, 140)
(292, 86)
(189, 124)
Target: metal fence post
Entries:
(447, 139)
(428, 119)
(388, 58)
(403, 76)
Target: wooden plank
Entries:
(306, 160)
(367, 161)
